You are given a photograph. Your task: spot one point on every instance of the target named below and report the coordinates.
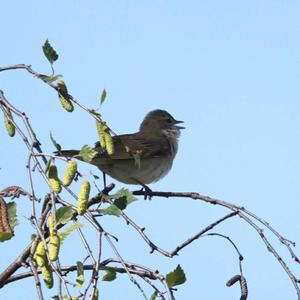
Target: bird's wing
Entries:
(128, 144)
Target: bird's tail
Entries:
(67, 153)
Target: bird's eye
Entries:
(169, 120)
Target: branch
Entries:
(245, 215)
(133, 268)
(21, 259)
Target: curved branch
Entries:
(244, 214)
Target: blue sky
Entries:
(229, 69)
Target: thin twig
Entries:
(244, 214)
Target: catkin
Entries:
(51, 224)
(83, 197)
(101, 128)
(64, 96)
(10, 127)
(53, 179)
(96, 294)
(66, 103)
(47, 276)
(109, 143)
(40, 254)
(54, 244)
(70, 172)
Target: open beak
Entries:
(179, 122)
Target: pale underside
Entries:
(128, 171)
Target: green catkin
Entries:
(83, 197)
(70, 172)
(66, 104)
(109, 143)
(64, 96)
(54, 245)
(101, 128)
(10, 127)
(47, 276)
(53, 179)
(51, 224)
(40, 254)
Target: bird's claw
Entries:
(147, 192)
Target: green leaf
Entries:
(176, 277)
(87, 153)
(56, 145)
(12, 214)
(6, 235)
(124, 193)
(49, 79)
(64, 214)
(112, 210)
(110, 274)
(80, 274)
(103, 96)
(63, 234)
(121, 203)
(49, 52)
(154, 295)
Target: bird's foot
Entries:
(147, 191)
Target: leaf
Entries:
(63, 215)
(49, 79)
(125, 193)
(4, 236)
(112, 210)
(80, 274)
(56, 145)
(62, 88)
(176, 277)
(12, 214)
(103, 96)
(49, 52)
(154, 295)
(87, 153)
(121, 203)
(110, 274)
(63, 234)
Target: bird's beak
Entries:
(179, 122)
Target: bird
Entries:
(155, 145)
